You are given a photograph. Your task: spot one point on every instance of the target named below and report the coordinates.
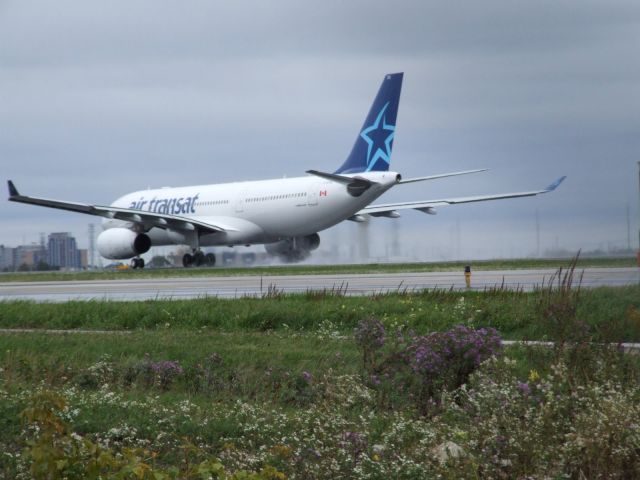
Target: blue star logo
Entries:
(379, 137)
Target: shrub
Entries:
(209, 374)
(160, 374)
(421, 367)
(97, 375)
(546, 427)
(445, 360)
(369, 335)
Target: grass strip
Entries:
(517, 315)
(315, 269)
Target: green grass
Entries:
(515, 314)
(60, 359)
(252, 367)
(315, 269)
(40, 351)
(243, 393)
(283, 334)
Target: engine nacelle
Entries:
(311, 242)
(294, 248)
(122, 243)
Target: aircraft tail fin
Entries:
(372, 149)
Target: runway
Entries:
(349, 284)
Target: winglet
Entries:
(555, 184)
(13, 191)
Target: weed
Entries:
(369, 336)
(558, 306)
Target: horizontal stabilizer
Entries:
(338, 178)
(442, 175)
(356, 186)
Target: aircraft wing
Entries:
(389, 209)
(147, 219)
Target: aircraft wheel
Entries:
(210, 259)
(198, 258)
(137, 263)
(187, 260)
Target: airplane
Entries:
(283, 214)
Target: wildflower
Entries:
(534, 376)
(378, 450)
(165, 372)
(524, 388)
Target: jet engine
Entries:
(294, 249)
(121, 243)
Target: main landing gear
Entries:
(137, 263)
(198, 258)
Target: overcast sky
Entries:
(101, 98)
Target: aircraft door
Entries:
(312, 195)
(240, 202)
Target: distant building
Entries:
(63, 251)
(28, 256)
(84, 258)
(6, 258)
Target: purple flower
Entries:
(451, 356)
(307, 377)
(524, 388)
(167, 367)
(164, 372)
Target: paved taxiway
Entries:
(350, 284)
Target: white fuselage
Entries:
(254, 212)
